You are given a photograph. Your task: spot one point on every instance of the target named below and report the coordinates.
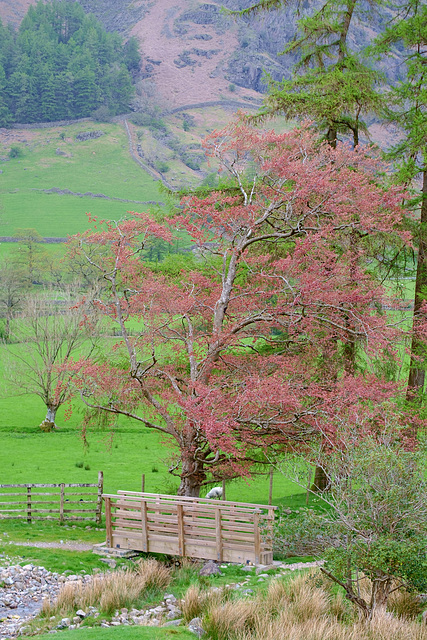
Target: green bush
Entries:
(16, 152)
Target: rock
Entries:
(64, 624)
(89, 135)
(169, 597)
(195, 626)
(174, 612)
(247, 568)
(210, 569)
(81, 613)
(174, 623)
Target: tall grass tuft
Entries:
(123, 588)
(303, 608)
(234, 619)
(199, 601)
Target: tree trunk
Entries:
(48, 423)
(331, 137)
(379, 595)
(192, 477)
(321, 480)
(416, 377)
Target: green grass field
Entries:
(100, 166)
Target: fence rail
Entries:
(58, 502)
(194, 527)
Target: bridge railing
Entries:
(194, 527)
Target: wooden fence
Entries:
(66, 502)
(194, 527)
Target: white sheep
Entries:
(216, 492)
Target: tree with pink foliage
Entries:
(277, 333)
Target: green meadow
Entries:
(54, 158)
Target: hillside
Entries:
(191, 51)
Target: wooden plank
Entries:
(99, 497)
(218, 534)
(194, 500)
(61, 505)
(197, 509)
(108, 527)
(29, 505)
(93, 511)
(181, 537)
(46, 486)
(17, 502)
(257, 544)
(144, 532)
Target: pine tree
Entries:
(408, 108)
(331, 83)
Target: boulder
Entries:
(210, 569)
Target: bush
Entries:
(16, 151)
(102, 114)
(163, 167)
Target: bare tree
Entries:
(13, 286)
(49, 335)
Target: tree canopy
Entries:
(61, 64)
(272, 337)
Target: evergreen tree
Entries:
(331, 83)
(408, 109)
(62, 63)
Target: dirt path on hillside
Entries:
(156, 175)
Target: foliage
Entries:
(287, 250)
(407, 107)
(331, 83)
(376, 523)
(62, 64)
(15, 151)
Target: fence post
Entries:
(144, 526)
(61, 504)
(257, 536)
(181, 541)
(218, 534)
(108, 526)
(270, 493)
(99, 498)
(29, 505)
(143, 483)
(223, 490)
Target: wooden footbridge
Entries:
(193, 527)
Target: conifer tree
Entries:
(408, 109)
(331, 83)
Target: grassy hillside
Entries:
(56, 159)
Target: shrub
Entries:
(15, 151)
